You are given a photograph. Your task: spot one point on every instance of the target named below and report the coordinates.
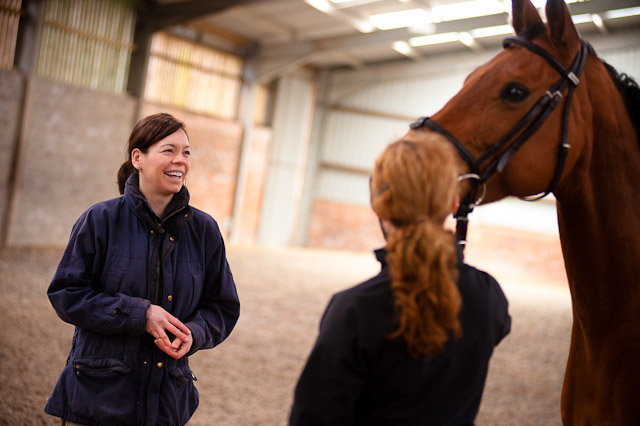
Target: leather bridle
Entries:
(499, 154)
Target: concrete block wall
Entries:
(71, 147)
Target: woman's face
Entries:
(164, 167)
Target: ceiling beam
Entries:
(270, 70)
(599, 6)
(162, 15)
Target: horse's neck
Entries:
(599, 216)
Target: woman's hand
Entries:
(159, 322)
(178, 348)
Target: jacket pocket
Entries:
(102, 367)
(100, 388)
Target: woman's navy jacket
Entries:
(120, 258)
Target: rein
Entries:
(499, 154)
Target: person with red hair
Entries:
(410, 346)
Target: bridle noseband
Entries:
(499, 154)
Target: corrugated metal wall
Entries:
(87, 43)
(193, 77)
(9, 17)
(362, 118)
(281, 204)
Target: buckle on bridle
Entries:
(556, 94)
(574, 78)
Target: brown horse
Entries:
(505, 127)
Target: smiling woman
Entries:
(145, 281)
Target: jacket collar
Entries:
(381, 256)
(170, 221)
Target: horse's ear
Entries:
(560, 23)
(524, 16)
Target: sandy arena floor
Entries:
(249, 379)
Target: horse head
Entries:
(495, 119)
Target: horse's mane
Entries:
(628, 89)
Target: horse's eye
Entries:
(514, 92)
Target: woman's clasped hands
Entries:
(161, 325)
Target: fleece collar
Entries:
(171, 220)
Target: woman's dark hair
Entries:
(146, 133)
(413, 186)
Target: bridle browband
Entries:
(499, 154)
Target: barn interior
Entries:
(287, 104)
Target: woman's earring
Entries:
(140, 167)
